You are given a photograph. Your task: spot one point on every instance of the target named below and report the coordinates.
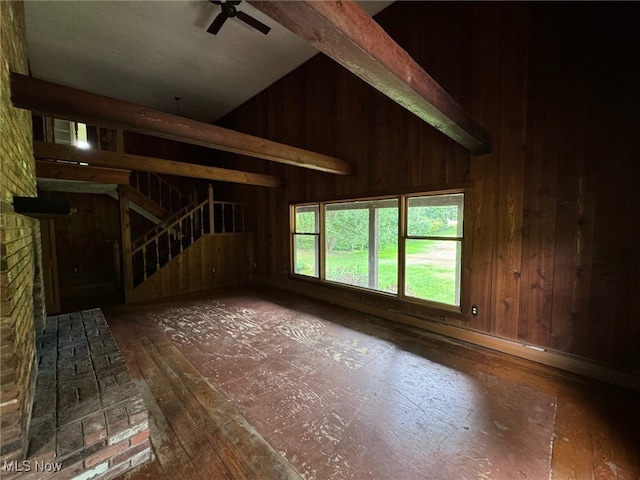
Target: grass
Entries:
(430, 270)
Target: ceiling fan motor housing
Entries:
(228, 11)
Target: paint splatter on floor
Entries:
(343, 396)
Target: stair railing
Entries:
(171, 241)
(156, 229)
(229, 217)
(162, 247)
(159, 190)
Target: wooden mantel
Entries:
(59, 101)
(345, 32)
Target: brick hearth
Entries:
(88, 420)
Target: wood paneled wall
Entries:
(213, 261)
(553, 216)
(87, 246)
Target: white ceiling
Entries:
(149, 52)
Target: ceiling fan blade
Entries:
(217, 23)
(249, 20)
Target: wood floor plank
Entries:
(597, 426)
(186, 430)
(183, 457)
(231, 435)
(208, 431)
(264, 461)
(171, 460)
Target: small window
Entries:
(306, 241)
(70, 133)
(433, 248)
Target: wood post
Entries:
(50, 266)
(211, 218)
(125, 229)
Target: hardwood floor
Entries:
(197, 432)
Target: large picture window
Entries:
(361, 244)
(409, 246)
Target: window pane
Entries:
(435, 216)
(362, 244)
(305, 255)
(432, 270)
(307, 219)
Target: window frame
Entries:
(405, 236)
(294, 233)
(400, 295)
(323, 206)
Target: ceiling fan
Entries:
(228, 11)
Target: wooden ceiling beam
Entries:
(58, 101)
(345, 32)
(69, 171)
(103, 158)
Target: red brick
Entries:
(142, 457)
(106, 454)
(138, 417)
(116, 470)
(95, 428)
(70, 439)
(130, 452)
(139, 437)
(117, 419)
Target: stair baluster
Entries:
(233, 217)
(224, 230)
(144, 261)
(186, 231)
(202, 220)
(160, 191)
(157, 254)
(181, 238)
(191, 218)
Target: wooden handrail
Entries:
(168, 227)
(162, 225)
(190, 226)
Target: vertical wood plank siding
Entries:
(552, 217)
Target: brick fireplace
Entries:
(88, 418)
(68, 406)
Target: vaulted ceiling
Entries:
(148, 52)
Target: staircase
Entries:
(178, 220)
(172, 235)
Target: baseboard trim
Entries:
(552, 358)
